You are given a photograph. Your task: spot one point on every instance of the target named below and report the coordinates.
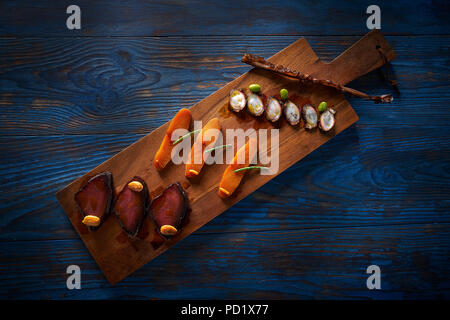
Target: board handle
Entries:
(363, 56)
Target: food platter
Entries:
(118, 254)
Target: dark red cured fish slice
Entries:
(130, 206)
(95, 198)
(169, 209)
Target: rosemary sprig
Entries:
(250, 167)
(219, 147)
(186, 135)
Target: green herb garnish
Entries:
(186, 135)
(322, 106)
(249, 168)
(255, 88)
(219, 147)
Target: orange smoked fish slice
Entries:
(182, 120)
(203, 140)
(230, 179)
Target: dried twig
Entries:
(259, 62)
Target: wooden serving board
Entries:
(118, 255)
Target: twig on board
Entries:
(260, 62)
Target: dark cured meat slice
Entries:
(95, 197)
(169, 209)
(130, 207)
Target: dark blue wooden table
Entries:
(378, 193)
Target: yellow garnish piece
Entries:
(226, 192)
(91, 221)
(193, 171)
(135, 186)
(168, 230)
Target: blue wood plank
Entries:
(233, 17)
(297, 264)
(376, 194)
(364, 176)
(120, 85)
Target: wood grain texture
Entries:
(326, 263)
(118, 259)
(364, 176)
(234, 17)
(121, 85)
(71, 99)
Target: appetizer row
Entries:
(132, 204)
(199, 153)
(130, 207)
(274, 108)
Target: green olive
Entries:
(284, 94)
(322, 106)
(255, 88)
